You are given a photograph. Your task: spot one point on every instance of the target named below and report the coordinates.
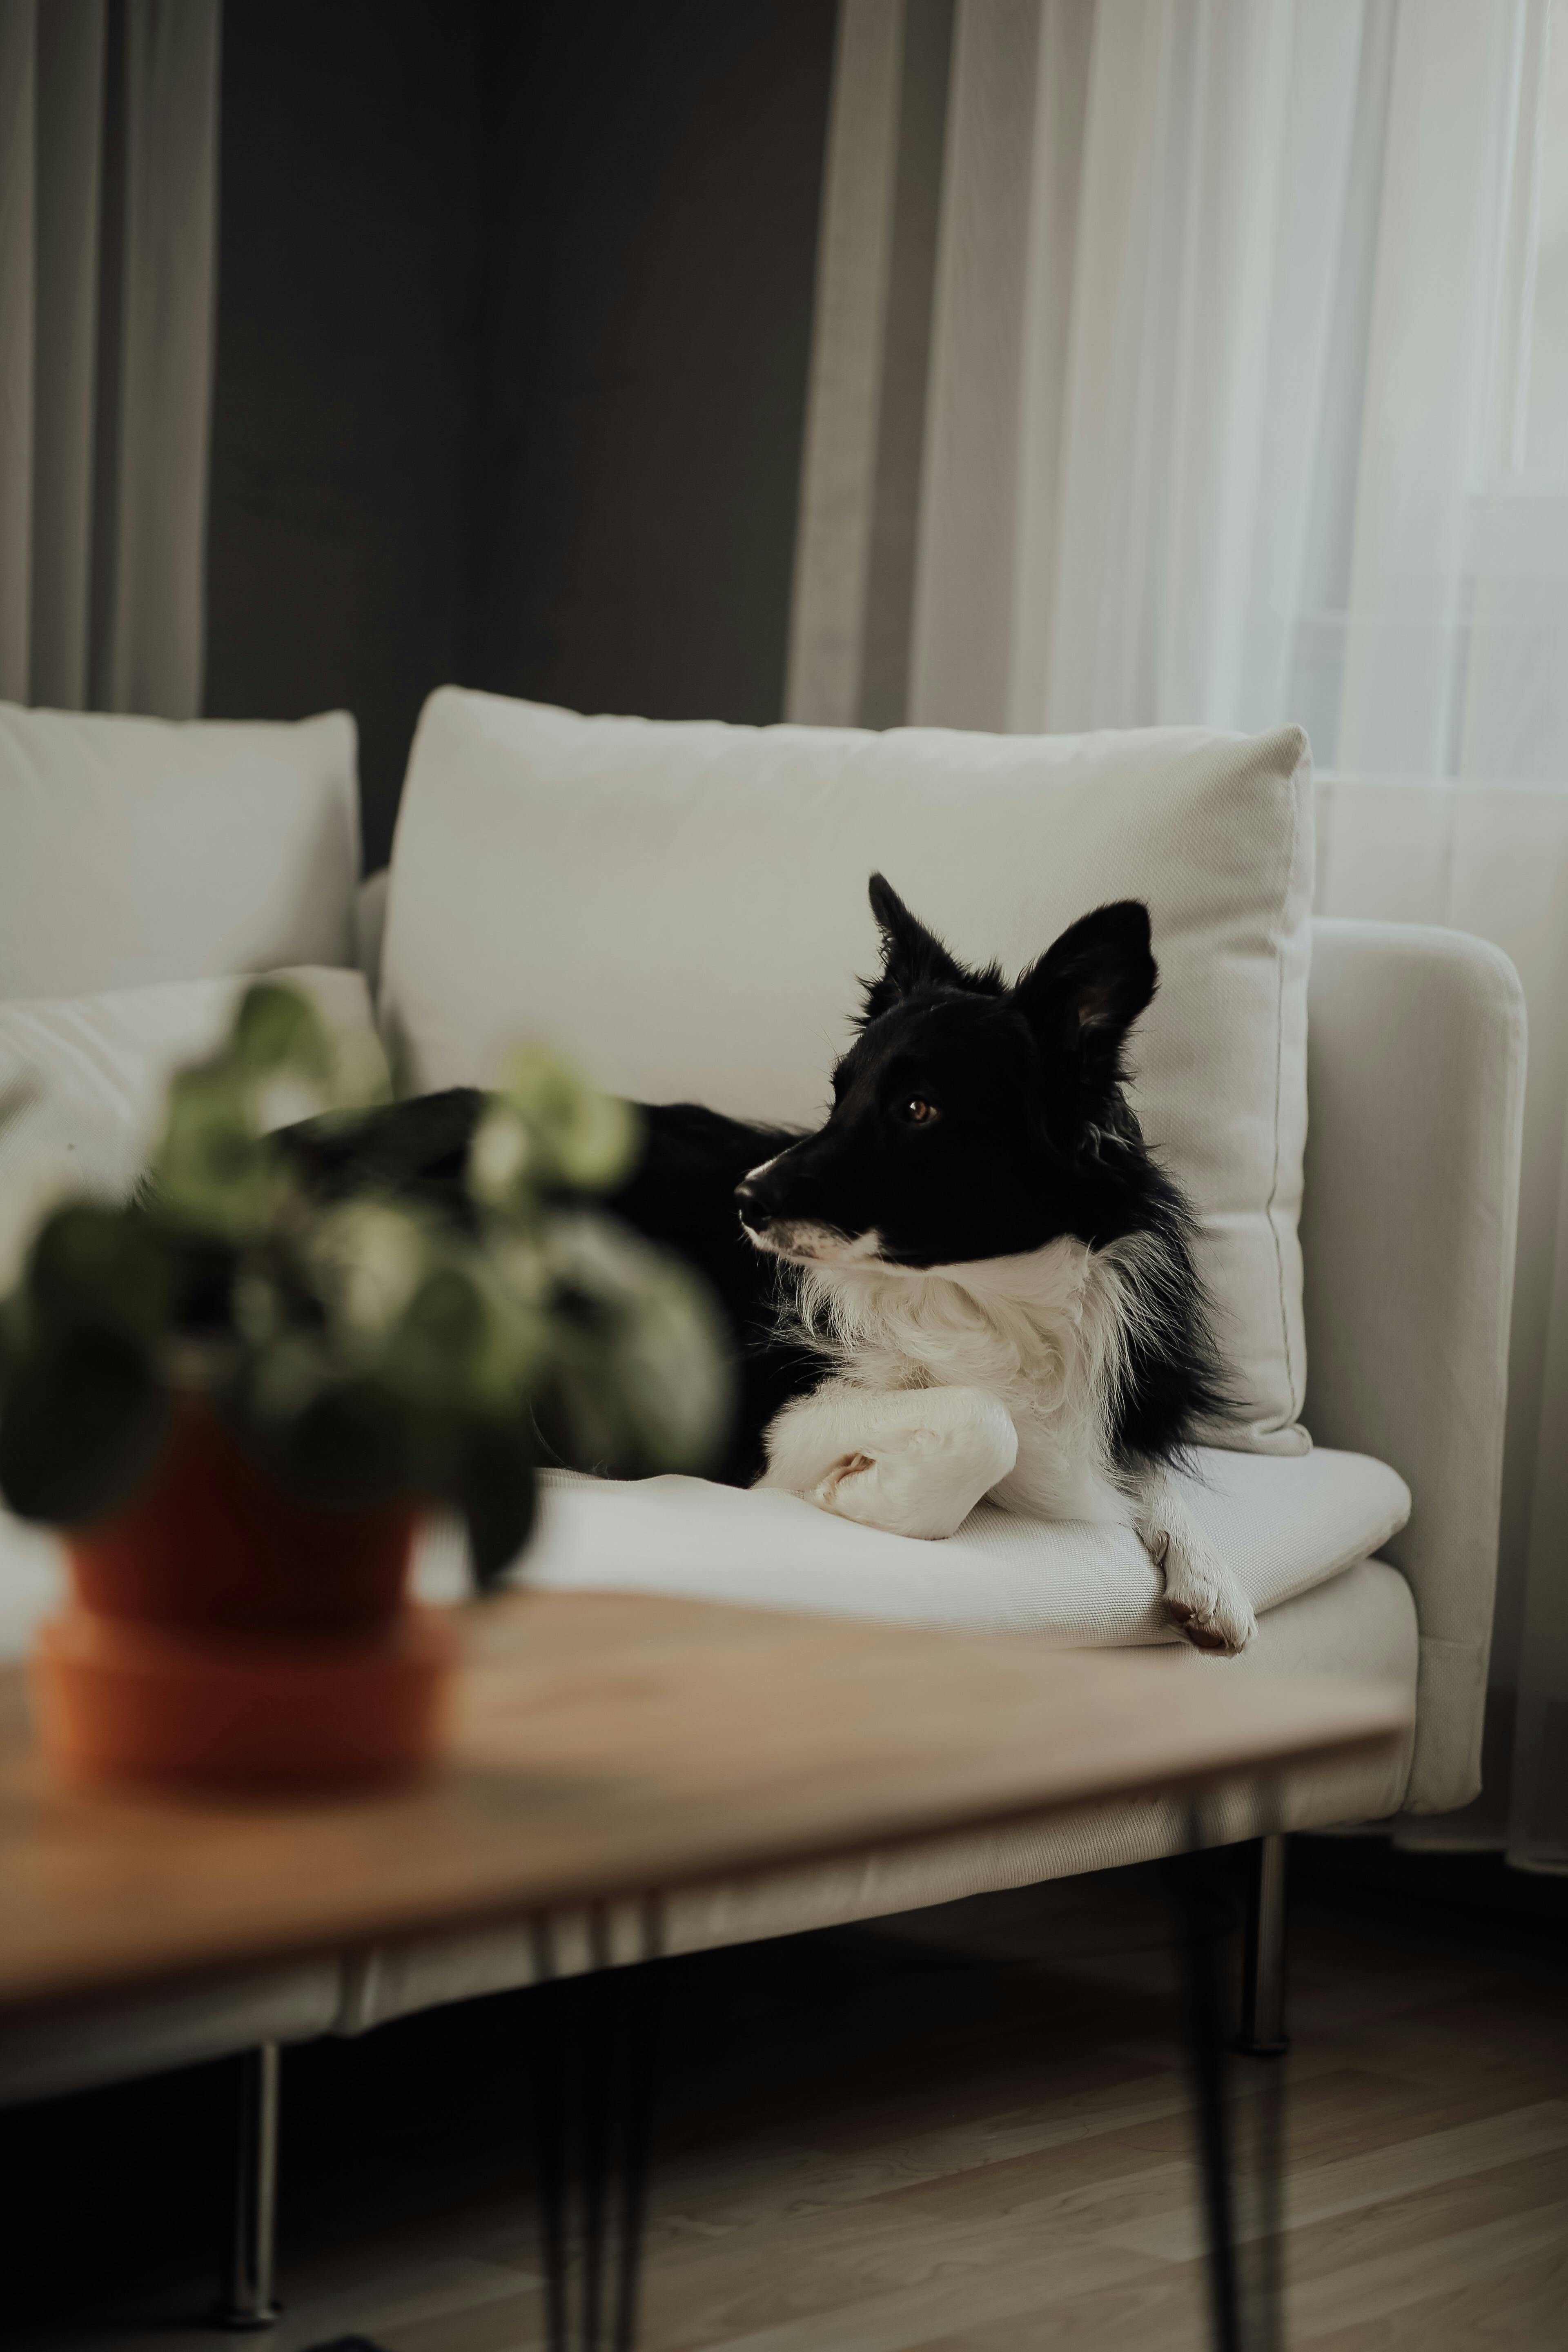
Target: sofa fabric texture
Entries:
(685, 904)
(136, 850)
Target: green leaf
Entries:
(580, 1415)
(349, 1447)
(212, 1171)
(465, 1341)
(98, 1264)
(443, 1332)
(84, 1421)
(672, 1371)
(203, 1268)
(365, 1258)
(279, 1029)
(549, 1126)
(495, 1485)
(640, 1371)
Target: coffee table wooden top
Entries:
(611, 1746)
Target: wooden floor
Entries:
(968, 2133)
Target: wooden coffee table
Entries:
(611, 1748)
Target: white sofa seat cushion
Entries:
(1287, 1525)
(135, 850)
(685, 905)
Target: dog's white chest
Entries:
(1039, 1337)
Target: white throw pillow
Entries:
(96, 1068)
(685, 905)
(133, 850)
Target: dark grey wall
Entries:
(653, 198)
(514, 316)
(349, 307)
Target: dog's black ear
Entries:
(913, 957)
(1086, 992)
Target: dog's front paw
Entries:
(1203, 1600)
(1221, 1631)
(1205, 1604)
(934, 1453)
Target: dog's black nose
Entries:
(754, 1195)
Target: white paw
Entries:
(1204, 1601)
(925, 1465)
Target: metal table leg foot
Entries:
(249, 2301)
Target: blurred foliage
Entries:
(364, 1349)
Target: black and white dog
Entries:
(977, 1249)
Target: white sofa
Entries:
(1371, 1554)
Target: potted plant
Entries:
(235, 1398)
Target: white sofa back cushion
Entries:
(686, 905)
(134, 850)
(96, 1068)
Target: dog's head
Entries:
(970, 1119)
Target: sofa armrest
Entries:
(1415, 1098)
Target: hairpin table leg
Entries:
(595, 2068)
(640, 2038)
(1205, 2042)
(1263, 2033)
(1244, 2297)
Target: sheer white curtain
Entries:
(1246, 399)
(1233, 338)
(108, 213)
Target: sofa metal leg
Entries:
(1263, 2033)
(247, 2301)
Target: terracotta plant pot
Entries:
(222, 1632)
(208, 1544)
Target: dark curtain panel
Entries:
(514, 320)
(652, 201)
(349, 302)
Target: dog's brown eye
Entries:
(919, 1112)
